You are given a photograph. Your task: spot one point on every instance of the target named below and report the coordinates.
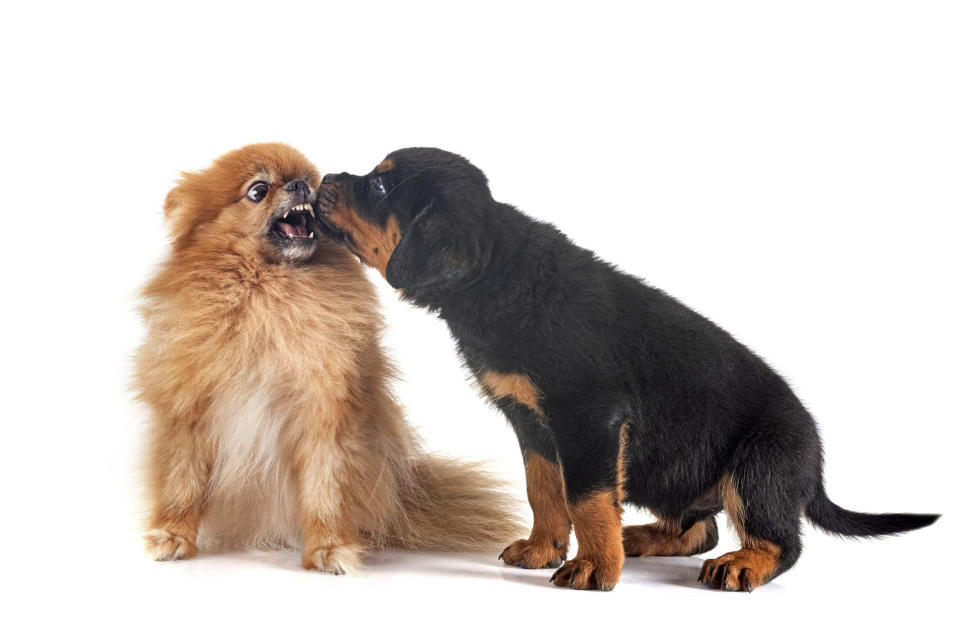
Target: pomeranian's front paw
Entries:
(337, 559)
(163, 546)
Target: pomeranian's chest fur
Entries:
(249, 348)
(252, 497)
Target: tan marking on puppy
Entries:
(374, 245)
(514, 385)
(377, 243)
(754, 564)
(733, 506)
(549, 539)
(742, 570)
(599, 560)
(384, 166)
(622, 463)
(664, 538)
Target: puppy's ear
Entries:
(437, 247)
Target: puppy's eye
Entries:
(258, 191)
(377, 185)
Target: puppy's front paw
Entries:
(585, 573)
(529, 553)
(337, 559)
(163, 546)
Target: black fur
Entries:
(604, 349)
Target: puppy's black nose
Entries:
(299, 186)
(329, 178)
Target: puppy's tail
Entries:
(454, 505)
(830, 517)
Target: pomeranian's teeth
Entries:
(311, 235)
(303, 207)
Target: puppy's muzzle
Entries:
(327, 197)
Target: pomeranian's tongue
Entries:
(293, 231)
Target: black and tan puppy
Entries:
(617, 392)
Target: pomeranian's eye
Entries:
(376, 183)
(258, 191)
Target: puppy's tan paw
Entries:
(742, 570)
(163, 546)
(584, 573)
(339, 559)
(534, 554)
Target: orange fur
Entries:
(373, 244)
(517, 386)
(547, 545)
(666, 537)
(753, 565)
(272, 421)
(599, 560)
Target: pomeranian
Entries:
(272, 421)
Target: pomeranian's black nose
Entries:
(299, 186)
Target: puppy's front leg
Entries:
(547, 545)
(330, 541)
(592, 464)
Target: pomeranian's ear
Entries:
(178, 210)
(440, 246)
(174, 203)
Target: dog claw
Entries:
(532, 555)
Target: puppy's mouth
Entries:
(292, 226)
(326, 227)
(327, 201)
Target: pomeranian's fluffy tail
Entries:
(454, 505)
(830, 517)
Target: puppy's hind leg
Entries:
(770, 545)
(764, 494)
(668, 537)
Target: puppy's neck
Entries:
(501, 289)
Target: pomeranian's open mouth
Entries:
(292, 227)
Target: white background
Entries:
(790, 170)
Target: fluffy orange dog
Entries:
(272, 422)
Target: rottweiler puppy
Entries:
(617, 392)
